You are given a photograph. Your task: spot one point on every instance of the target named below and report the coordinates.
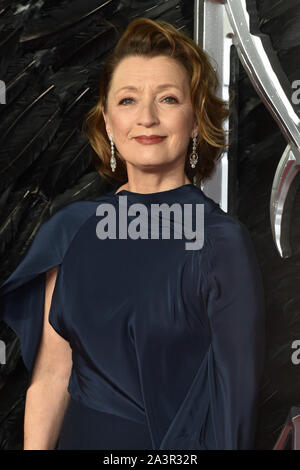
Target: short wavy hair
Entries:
(148, 38)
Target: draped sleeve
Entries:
(219, 410)
(22, 294)
(232, 289)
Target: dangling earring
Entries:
(113, 162)
(194, 155)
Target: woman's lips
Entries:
(149, 140)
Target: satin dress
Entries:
(168, 343)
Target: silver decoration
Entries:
(113, 162)
(194, 155)
(255, 51)
(213, 33)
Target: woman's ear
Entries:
(106, 124)
(195, 128)
(195, 131)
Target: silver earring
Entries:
(113, 162)
(194, 155)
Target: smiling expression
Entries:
(150, 96)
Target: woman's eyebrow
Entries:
(159, 87)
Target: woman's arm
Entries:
(236, 310)
(47, 396)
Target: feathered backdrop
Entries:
(51, 55)
(260, 147)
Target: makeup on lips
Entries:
(153, 139)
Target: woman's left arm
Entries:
(234, 297)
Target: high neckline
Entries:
(159, 196)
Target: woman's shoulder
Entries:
(67, 220)
(223, 232)
(229, 244)
(218, 222)
(52, 240)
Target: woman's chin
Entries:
(148, 163)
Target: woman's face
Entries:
(147, 106)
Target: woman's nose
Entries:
(148, 114)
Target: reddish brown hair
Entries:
(148, 38)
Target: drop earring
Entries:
(113, 162)
(194, 155)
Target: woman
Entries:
(142, 340)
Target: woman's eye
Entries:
(124, 99)
(171, 97)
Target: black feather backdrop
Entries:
(51, 54)
(260, 147)
(50, 58)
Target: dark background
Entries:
(51, 53)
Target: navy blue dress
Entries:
(168, 343)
